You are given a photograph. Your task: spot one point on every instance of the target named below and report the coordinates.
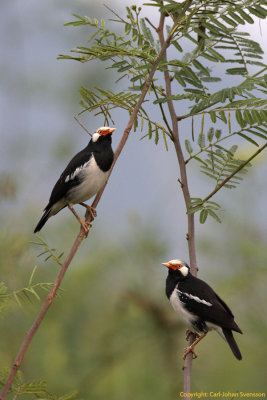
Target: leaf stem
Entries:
(241, 166)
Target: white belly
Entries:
(178, 307)
(93, 178)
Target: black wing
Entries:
(200, 299)
(68, 179)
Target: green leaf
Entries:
(165, 140)
(213, 204)
(236, 71)
(32, 275)
(201, 140)
(246, 16)
(199, 66)
(209, 175)
(188, 146)
(239, 118)
(212, 116)
(229, 21)
(223, 117)
(248, 139)
(210, 134)
(194, 201)
(203, 216)
(179, 79)
(147, 32)
(256, 116)
(236, 17)
(213, 215)
(199, 160)
(218, 133)
(156, 135)
(258, 12)
(257, 134)
(215, 54)
(248, 117)
(177, 45)
(149, 130)
(193, 210)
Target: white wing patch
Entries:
(179, 308)
(77, 171)
(190, 296)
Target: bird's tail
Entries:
(232, 343)
(43, 220)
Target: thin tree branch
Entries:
(49, 299)
(162, 111)
(117, 15)
(79, 122)
(241, 166)
(150, 23)
(184, 185)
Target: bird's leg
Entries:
(90, 209)
(84, 224)
(190, 349)
(188, 333)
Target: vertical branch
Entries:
(185, 188)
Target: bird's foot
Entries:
(190, 349)
(86, 227)
(92, 211)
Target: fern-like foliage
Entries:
(208, 43)
(221, 164)
(50, 253)
(32, 291)
(33, 390)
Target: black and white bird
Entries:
(83, 177)
(199, 306)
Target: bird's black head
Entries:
(102, 133)
(178, 269)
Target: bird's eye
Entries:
(100, 131)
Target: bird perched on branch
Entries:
(199, 306)
(83, 177)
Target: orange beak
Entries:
(166, 264)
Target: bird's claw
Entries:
(187, 334)
(93, 212)
(86, 227)
(189, 349)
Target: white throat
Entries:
(95, 137)
(184, 271)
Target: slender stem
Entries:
(241, 166)
(48, 301)
(162, 111)
(184, 185)
(84, 128)
(150, 23)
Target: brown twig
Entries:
(150, 23)
(241, 166)
(49, 299)
(117, 15)
(184, 185)
(79, 122)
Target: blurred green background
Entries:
(111, 332)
